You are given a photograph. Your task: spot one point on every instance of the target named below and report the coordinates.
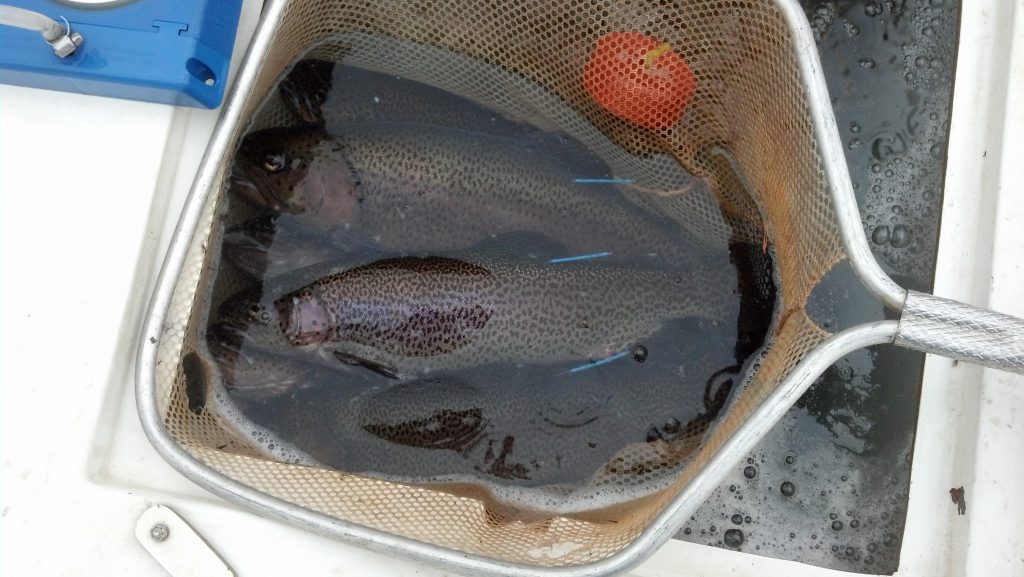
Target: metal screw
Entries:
(159, 532)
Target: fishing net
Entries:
(525, 58)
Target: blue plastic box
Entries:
(169, 51)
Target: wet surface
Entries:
(828, 485)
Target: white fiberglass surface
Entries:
(90, 189)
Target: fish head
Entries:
(301, 171)
(304, 317)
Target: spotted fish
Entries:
(407, 317)
(431, 190)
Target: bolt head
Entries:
(159, 532)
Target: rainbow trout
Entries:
(425, 190)
(407, 317)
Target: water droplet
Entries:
(787, 489)
(687, 531)
(928, 31)
(854, 144)
(835, 548)
(639, 353)
(844, 478)
(897, 209)
(900, 237)
(733, 538)
(869, 559)
(887, 145)
(713, 529)
(732, 488)
(792, 535)
(749, 472)
(880, 234)
(854, 128)
(837, 525)
(790, 459)
(872, 547)
(814, 536)
(854, 524)
(890, 540)
(920, 61)
(747, 519)
(936, 150)
(671, 426)
(737, 519)
(866, 63)
(872, 8)
(849, 551)
(876, 168)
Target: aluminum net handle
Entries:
(963, 332)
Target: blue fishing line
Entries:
(603, 361)
(580, 257)
(604, 180)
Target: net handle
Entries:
(961, 331)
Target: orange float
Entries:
(639, 78)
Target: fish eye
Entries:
(274, 163)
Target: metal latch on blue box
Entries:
(169, 51)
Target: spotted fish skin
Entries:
(406, 317)
(431, 190)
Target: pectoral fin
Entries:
(377, 367)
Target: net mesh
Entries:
(525, 58)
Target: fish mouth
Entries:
(243, 187)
